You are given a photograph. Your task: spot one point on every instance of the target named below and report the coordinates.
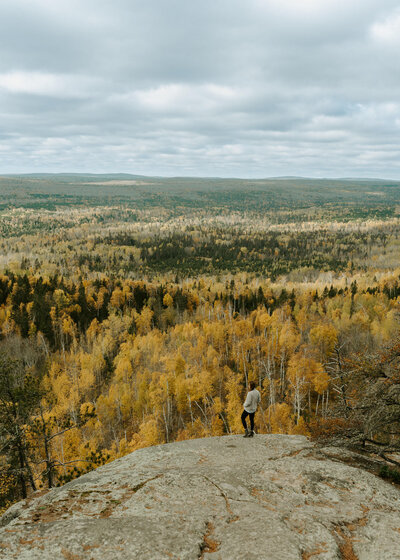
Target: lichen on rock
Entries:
(271, 497)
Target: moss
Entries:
(390, 474)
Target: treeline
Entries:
(30, 305)
(190, 243)
(94, 369)
(268, 253)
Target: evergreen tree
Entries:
(19, 397)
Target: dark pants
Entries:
(244, 416)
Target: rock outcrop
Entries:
(271, 497)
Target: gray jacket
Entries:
(252, 400)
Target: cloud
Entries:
(46, 84)
(223, 87)
(183, 98)
(387, 31)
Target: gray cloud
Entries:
(224, 87)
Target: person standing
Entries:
(250, 406)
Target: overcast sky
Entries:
(233, 88)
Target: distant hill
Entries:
(259, 195)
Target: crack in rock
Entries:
(231, 517)
(343, 533)
(208, 544)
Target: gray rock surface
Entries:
(272, 497)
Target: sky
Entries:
(229, 88)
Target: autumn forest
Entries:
(135, 311)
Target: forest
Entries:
(135, 311)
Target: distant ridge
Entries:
(125, 176)
(58, 175)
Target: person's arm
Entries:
(247, 402)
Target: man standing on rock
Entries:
(250, 406)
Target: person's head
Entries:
(252, 385)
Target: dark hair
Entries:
(252, 385)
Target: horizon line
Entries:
(216, 177)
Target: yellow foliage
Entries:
(289, 337)
(234, 401)
(125, 447)
(263, 320)
(193, 431)
(149, 433)
(180, 365)
(87, 375)
(143, 321)
(117, 298)
(186, 378)
(304, 372)
(61, 299)
(182, 394)
(217, 426)
(218, 406)
(71, 444)
(300, 428)
(87, 408)
(323, 337)
(167, 300)
(93, 330)
(123, 367)
(68, 325)
(280, 418)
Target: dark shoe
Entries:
(251, 433)
(247, 433)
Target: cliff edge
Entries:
(272, 497)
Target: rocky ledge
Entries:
(271, 497)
